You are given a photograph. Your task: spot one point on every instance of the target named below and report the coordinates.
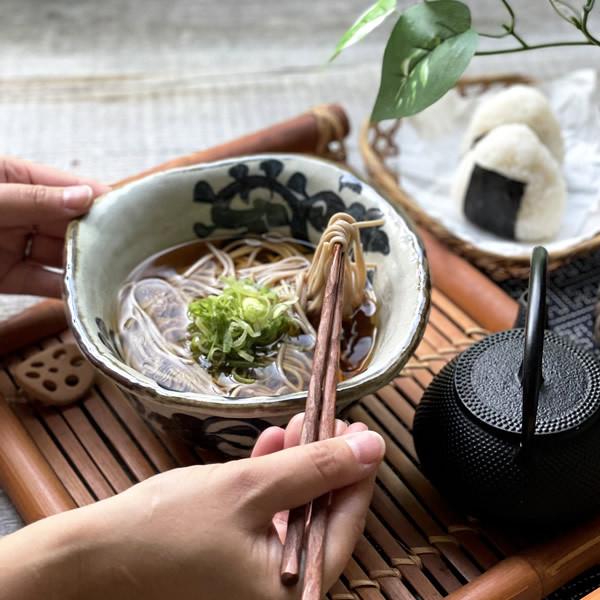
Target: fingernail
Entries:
(340, 427)
(358, 426)
(77, 197)
(367, 446)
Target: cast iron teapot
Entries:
(510, 429)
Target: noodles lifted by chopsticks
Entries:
(342, 229)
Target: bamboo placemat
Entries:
(415, 545)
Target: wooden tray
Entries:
(415, 546)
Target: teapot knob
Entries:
(531, 367)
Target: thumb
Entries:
(295, 476)
(26, 205)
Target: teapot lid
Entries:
(488, 384)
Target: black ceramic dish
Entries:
(510, 429)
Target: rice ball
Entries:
(517, 104)
(510, 184)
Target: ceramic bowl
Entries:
(292, 195)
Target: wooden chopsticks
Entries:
(319, 423)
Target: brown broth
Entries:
(173, 260)
(358, 332)
(358, 339)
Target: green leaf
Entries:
(367, 22)
(429, 48)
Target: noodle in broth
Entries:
(153, 320)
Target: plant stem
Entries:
(519, 39)
(508, 28)
(587, 9)
(533, 47)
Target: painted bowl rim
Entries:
(346, 391)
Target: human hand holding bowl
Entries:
(36, 205)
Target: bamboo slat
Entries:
(415, 545)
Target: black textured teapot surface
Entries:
(510, 429)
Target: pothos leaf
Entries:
(429, 48)
(369, 20)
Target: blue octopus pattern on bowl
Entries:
(298, 210)
(230, 437)
(233, 438)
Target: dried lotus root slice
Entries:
(56, 376)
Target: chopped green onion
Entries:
(238, 328)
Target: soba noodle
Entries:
(153, 315)
(344, 230)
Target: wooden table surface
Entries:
(108, 89)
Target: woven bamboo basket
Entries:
(378, 145)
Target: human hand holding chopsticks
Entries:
(202, 532)
(275, 439)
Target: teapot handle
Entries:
(531, 368)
